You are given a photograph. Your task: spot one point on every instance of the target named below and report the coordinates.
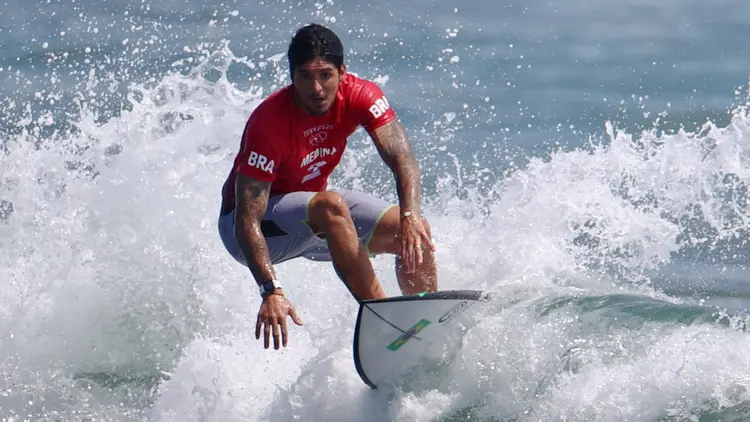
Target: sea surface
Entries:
(587, 163)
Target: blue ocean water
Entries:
(587, 163)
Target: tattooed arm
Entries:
(393, 146)
(252, 200)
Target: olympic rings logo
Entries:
(318, 138)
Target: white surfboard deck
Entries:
(397, 334)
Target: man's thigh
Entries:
(286, 227)
(366, 211)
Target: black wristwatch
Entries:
(267, 287)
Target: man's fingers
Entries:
(427, 228)
(275, 327)
(412, 256)
(418, 251)
(406, 255)
(428, 239)
(284, 333)
(266, 334)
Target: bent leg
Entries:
(387, 239)
(329, 214)
(284, 228)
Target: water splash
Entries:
(121, 303)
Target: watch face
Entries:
(267, 287)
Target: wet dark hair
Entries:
(314, 41)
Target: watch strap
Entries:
(268, 287)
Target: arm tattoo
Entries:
(252, 200)
(393, 146)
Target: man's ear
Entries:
(342, 69)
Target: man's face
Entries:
(316, 84)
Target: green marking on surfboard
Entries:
(411, 332)
(422, 294)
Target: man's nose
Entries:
(317, 85)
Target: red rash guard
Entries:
(295, 151)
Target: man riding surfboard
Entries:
(276, 204)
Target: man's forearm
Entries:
(408, 185)
(254, 248)
(394, 148)
(252, 200)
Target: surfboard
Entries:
(394, 336)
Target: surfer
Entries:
(276, 204)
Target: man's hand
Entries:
(413, 233)
(272, 316)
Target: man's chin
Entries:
(318, 108)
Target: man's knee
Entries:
(327, 209)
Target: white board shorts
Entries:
(287, 232)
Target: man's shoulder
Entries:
(354, 85)
(368, 102)
(274, 106)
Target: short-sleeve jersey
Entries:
(296, 151)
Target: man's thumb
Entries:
(295, 318)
